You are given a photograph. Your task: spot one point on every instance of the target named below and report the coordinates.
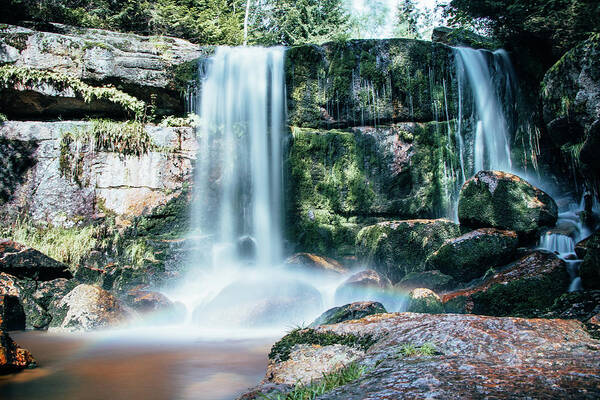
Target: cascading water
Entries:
(488, 76)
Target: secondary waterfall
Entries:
(239, 168)
(489, 79)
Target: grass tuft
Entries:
(410, 350)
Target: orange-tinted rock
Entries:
(12, 357)
(476, 357)
(313, 262)
(524, 287)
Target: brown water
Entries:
(89, 368)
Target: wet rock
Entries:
(581, 305)
(589, 270)
(13, 358)
(424, 301)
(155, 305)
(24, 262)
(356, 310)
(515, 357)
(396, 248)
(314, 263)
(589, 152)
(469, 256)
(246, 248)
(87, 308)
(12, 316)
(368, 285)
(256, 303)
(525, 287)
(434, 280)
(36, 316)
(49, 291)
(505, 201)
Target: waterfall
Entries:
(239, 168)
(489, 78)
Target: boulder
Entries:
(53, 290)
(469, 256)
(589, 270)
(87, 308)
(513, 357)
(505, 201)
(397, 248)
(434, 280)
(314, 263)
(13, 358)
(24, 262)
(155, 305)
(524, 287)
(356, 310)
(581, 305)
(36, 316)
(12, 316)
(422, 300)
(366, 285)
(259, 303)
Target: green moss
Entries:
(18, 40)
(11, 75)
(281, 350)
(92, 44)
(327, 383)
(67, 245)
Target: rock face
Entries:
(87, 308)
(104, 182)
(589, 269)
(424, 301)
(342, 180)
(356, 310)
(397, 248)
(524, 287)
(505, 201)
(514, 357)
(154, 69)
(12, 357)
(469, 256)
(314, 263)
(329, 85)
(24, 262)
(571, 105)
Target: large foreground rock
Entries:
(525, 287)
(505, 201)
(397, 248)
(13, 358)
(24, 262)
(87, 308)
(476, 357)
(469, 256)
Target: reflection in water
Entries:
(112, 367)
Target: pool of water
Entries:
(136, 365)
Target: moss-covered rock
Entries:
(505, 201)
(396, 248)
(366, 285)
(344, 180)
(523, 288)
(422, 300)
(363, 82)
(589, 270)
(356, 310)
(434, 280)
(469, 256)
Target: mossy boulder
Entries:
(424, 301)
(434, 280)
(523, 288)
(470, 255)
(397, 248)
(589, 270)
(356, 310)
(502, 200)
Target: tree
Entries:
(407, 20)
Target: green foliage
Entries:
(67, 245)
(3, 118)
(191, 120)
(410, 350)
(138, 252)
(281, 350)
(11, 75)
(327, 383)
